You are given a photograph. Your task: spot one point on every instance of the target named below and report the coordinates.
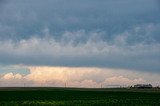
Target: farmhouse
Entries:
(143, 86)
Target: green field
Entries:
(80, 97)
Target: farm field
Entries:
(79, 96)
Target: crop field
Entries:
(80, 97)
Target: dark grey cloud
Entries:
(93, 33)
(2, 4)
(2, 1)
(27, 18)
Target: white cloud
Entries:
(120, 80)
(78, 77)
(10, 76)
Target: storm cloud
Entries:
(81, 33)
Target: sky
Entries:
(84, 43)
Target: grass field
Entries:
(77, 96)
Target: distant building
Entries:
(143, 86)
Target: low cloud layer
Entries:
(78, 77)
(92, 52)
